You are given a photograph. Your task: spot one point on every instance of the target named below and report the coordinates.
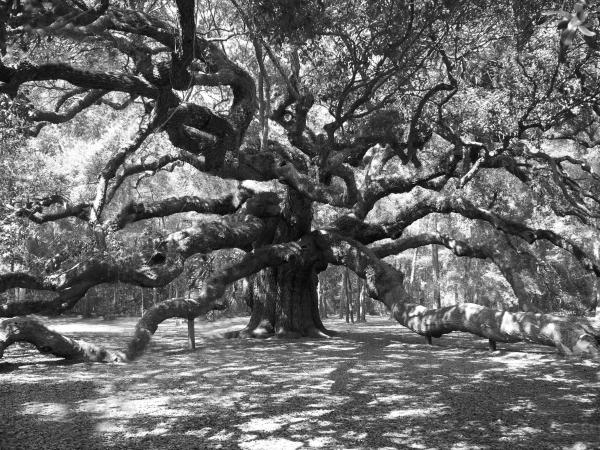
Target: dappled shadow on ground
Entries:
(375, 386)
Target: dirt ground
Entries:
(376, 386)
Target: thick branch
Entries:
(28, 329)
(227, 203)
(568, 335)
(88, 100)
(212, 290)
(518, 267)
(12, 78)
(423, 203)
(315, 190)
(37, 214)
(237, 231)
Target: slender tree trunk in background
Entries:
(343, 293)
(413, 271)
(87, 312)
(362, 302)
(435, 261)
(142, 306)
(347, 296)
(100, 238)
(468, 286)
(12, 269)
(596, 291)
(114, 300)
(21, 294)
(154, 296)
(322, 301)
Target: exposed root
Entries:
(247, 333)
(266, 331)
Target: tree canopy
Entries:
(335, 127)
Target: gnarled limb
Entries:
(213, 289)
(29, 329)
(67, 114)
(519, 267)
(35, 211)
(314, 190)
(384, 283)
(227, 203)
(110, 169)
(13, 77)
(424, 203)
(236, 231)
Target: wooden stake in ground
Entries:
(191, 334)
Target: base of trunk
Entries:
(284, 304)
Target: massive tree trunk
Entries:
(285, 300)
(285, 303)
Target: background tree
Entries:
(381, 114)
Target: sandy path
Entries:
(376, 386)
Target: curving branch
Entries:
(27, 329)
(112, 166)
(212, 290)
(35, 211)
(91, 98)
(384, 283)
(13, 77)
(227, 203)
(435, 202)
(235, 231)
(518, 266)
(425, 202)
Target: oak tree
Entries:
(341, 104)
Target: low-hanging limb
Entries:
(384, 283)
(28, 329)
(227, 203)
(519, 267)
(235, 231)
(213, 289)
(424, 202)
(11, 78)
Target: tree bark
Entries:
(285, 304)
(28, 329)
